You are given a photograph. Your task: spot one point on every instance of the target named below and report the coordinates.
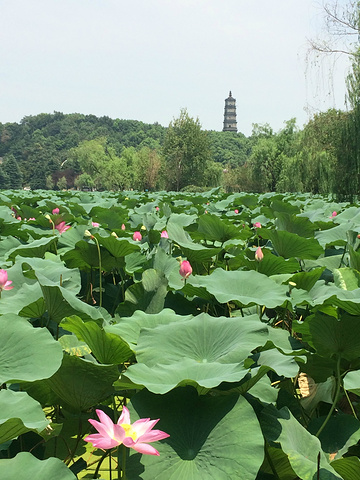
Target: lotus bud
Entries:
(56, 211)
(87, 233)
(123, 226)
(236, 211)
(113, 234)
(259, 254)
(95, 224)
(257, 225)
(185, 269)
(164, 234)
(137, 236)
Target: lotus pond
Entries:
(234, 319)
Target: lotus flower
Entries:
(164, 234)
(157, 208)
(56, 211)
(257, 225)
(95, 224)
(4, 282)
(333, 214)
(185, 269)
(134, 436)
(259, 254)
(236, 210)
(62, 227)
(123, 227)
(137, 236)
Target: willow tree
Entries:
(187, 152)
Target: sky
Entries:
(148, 59)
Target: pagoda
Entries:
(230, 124)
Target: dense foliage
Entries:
(249, 356)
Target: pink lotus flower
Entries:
(185, 269)
(164, 234)
(236, 210)
(157, 208)
(18, 218)
(56, 211)
(333, 214)
(137, 236)
(134, 436)
(32, 218)
(259, 254)
(95, 224)
(62, 227)
(123, 227)
(4, 282)
(257, 225)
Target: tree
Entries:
(62, 183)
(4, 179)
(342, 27)
(186, 151)
(12, 171)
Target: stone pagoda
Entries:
(230, 124)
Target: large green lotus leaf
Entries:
(85, 256)
(293, 224)
(19, 413)
(107, 348)
(118, 247)
(270, 265)
(283, 365)
(81, 384)
(111, 215)
(279, 205)
(182, 219)
(26, 353)
(340, 433)
(333, 337)
(346, 278)
(61, 303)
(348, 468)
(354, 258)
(37, 248)
(280, 462)
(211, 438)
(247, 287)
(25, 466)
(147, 295)
(204, 350)
(348, 300)
(215, 229)
(303, 449)
(331, 262)
(129, 328)
(54, 269)
(306, 280)
(70, 237)
(6, 245)
(334, 236)
(352, 382)
(290, 245)
(193, 251)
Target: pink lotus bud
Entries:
(95, 224)
(123, 227)
(333, 214)
(32, 218)
(137, 236)
(157, 209)
(164, 234)
(236, 210)
(259, 254)
(257, 225)
(56, 211)
(18, 218)
(185, 269)
(5, 284)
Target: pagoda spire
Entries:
(230, 123)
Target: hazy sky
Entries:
(147, 59)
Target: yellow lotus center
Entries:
(129, 431)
